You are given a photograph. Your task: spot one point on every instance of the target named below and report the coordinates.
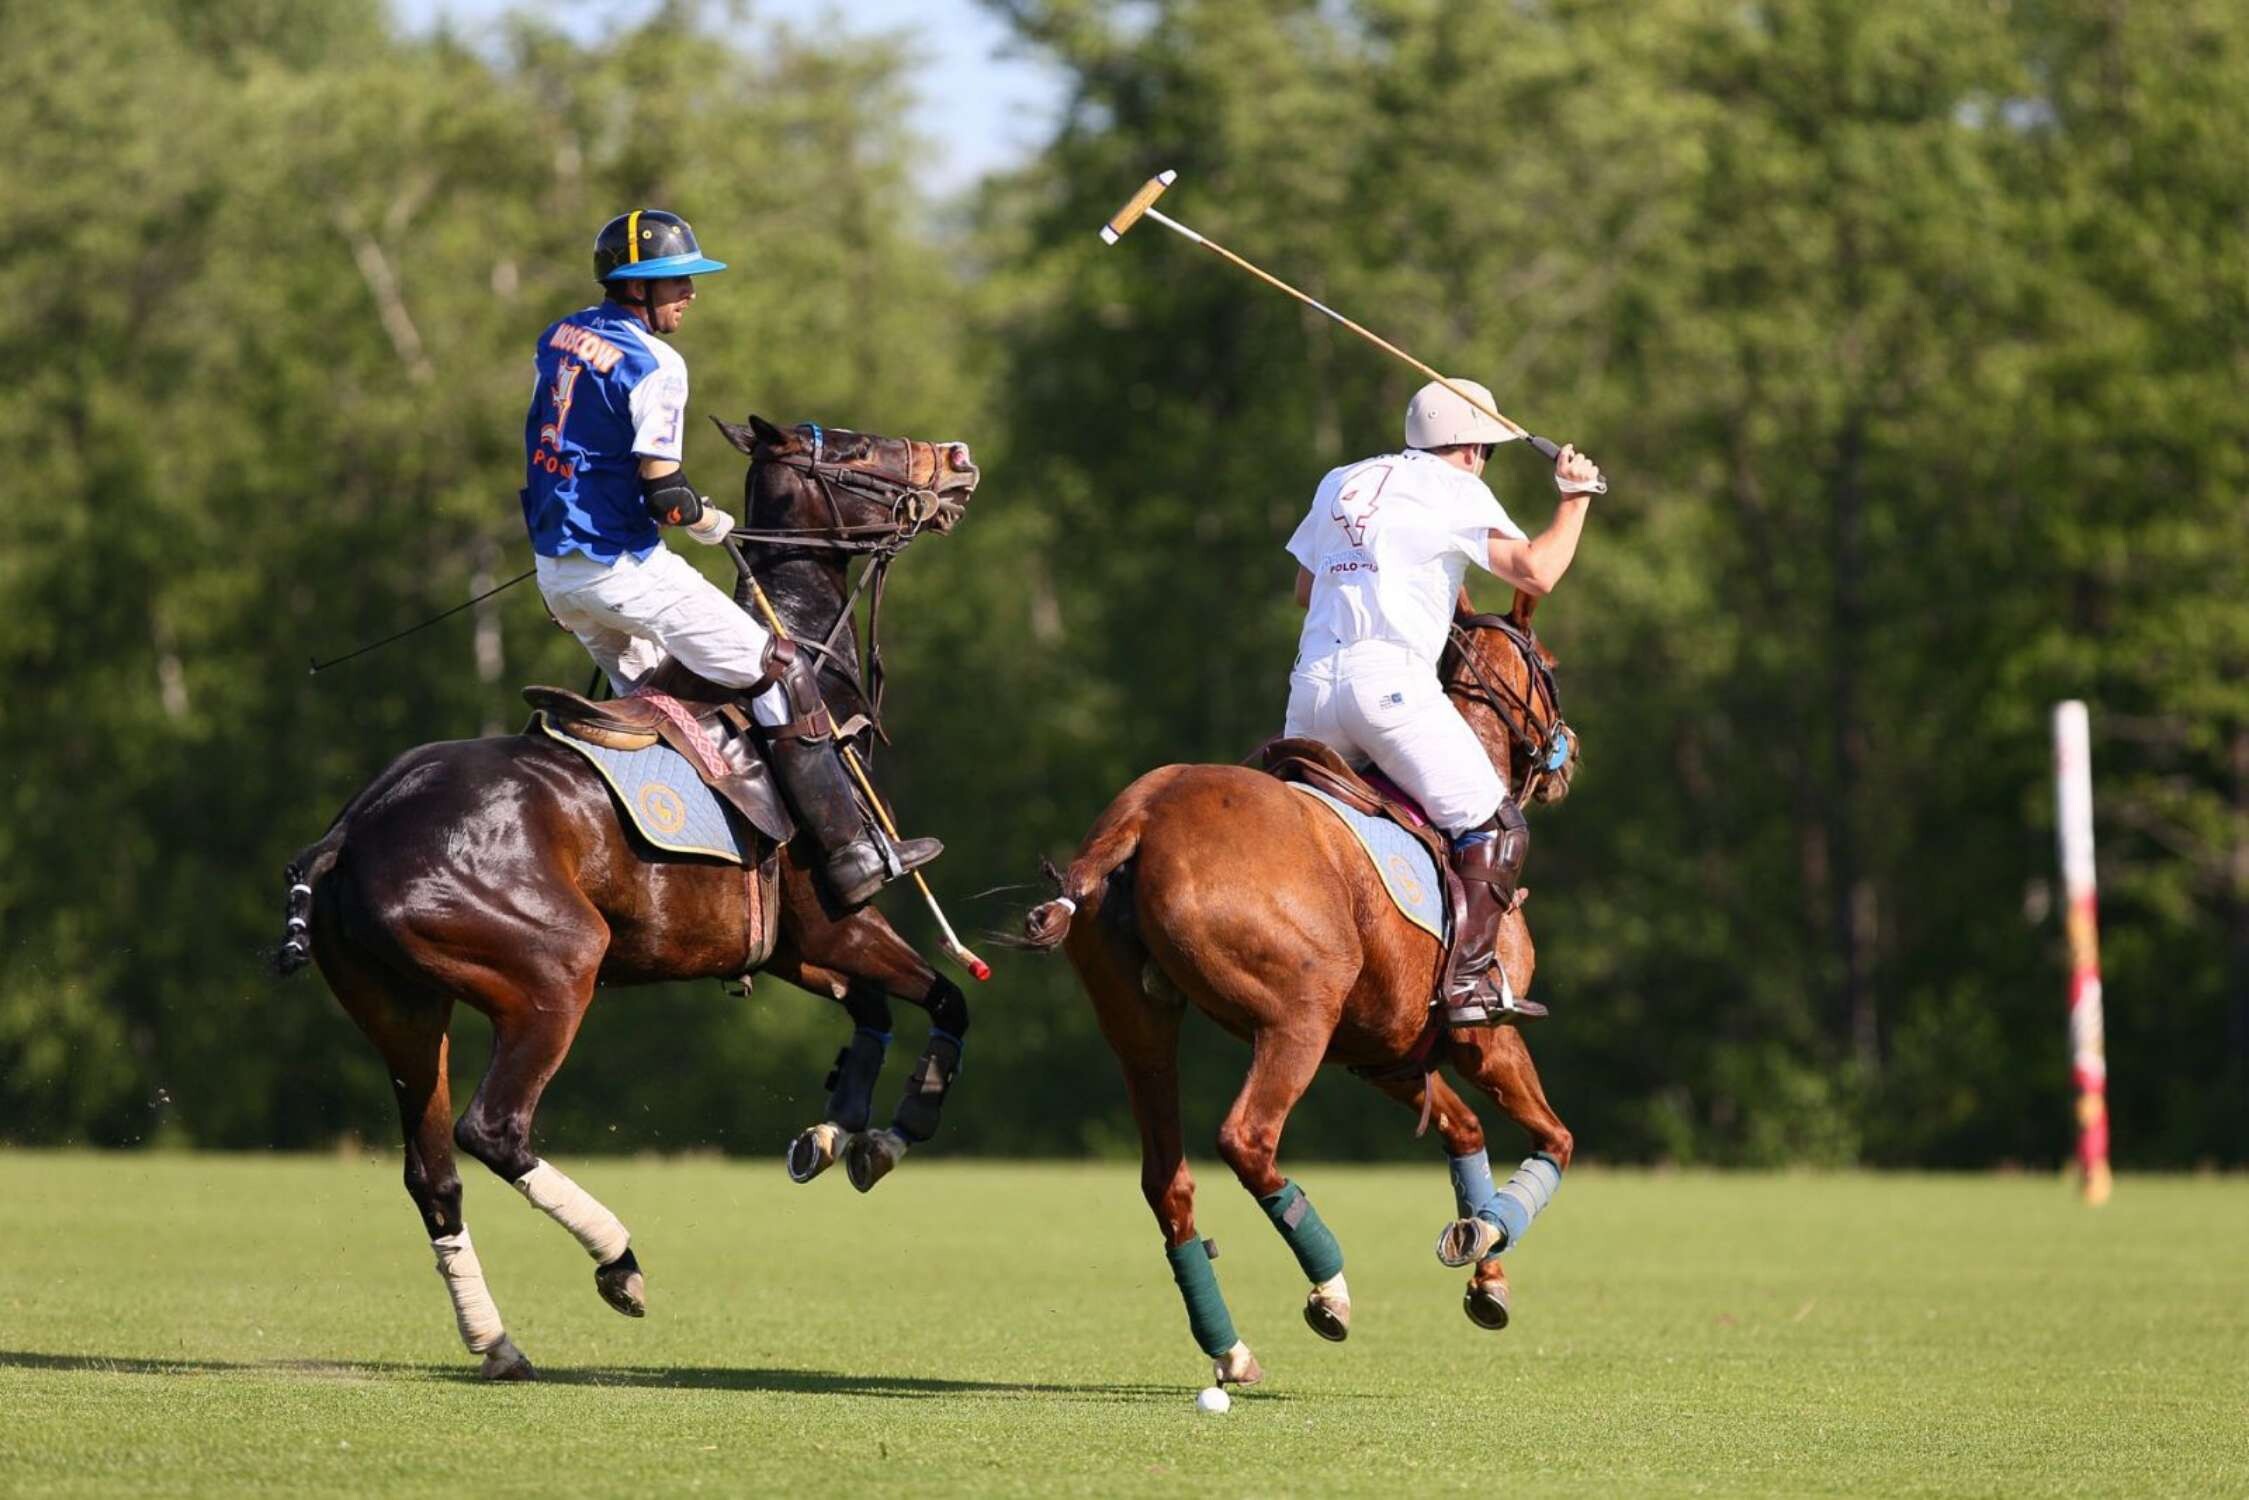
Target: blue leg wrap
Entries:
(1526, 1194)
(1472, 1185)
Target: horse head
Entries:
(1501, 677)
(853, 488)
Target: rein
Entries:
(1549, 751)
(912, 508)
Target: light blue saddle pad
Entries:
(663, 796)
(1403, 862)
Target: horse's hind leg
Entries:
(1281, 1068)
(1144, 1034)
(531, 1034)
(409, 1030)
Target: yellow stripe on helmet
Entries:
(632, 239)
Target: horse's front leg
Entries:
(863, 962)
(1495, 1217)
(1462, 1136)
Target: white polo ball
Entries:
(1213, 1399)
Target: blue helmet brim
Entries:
(669, 265)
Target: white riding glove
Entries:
(1585, 478)
(713, 527)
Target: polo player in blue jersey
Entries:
(603, 471)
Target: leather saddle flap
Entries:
(728, 758)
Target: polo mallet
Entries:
(947, 938)
(1143, 205)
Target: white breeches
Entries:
(631, 616)
(1377, 701)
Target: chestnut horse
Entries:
(1221, 887)
(496, 872)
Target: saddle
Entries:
(1318, 765)
(715, 738)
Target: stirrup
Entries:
(1493, 1003)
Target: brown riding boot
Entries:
(856, 858)
(1476, 989)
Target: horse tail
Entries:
(1114, 840)
(303, 873)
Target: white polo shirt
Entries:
(1387, 542)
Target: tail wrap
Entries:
(303, 873)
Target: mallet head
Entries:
(1129, 215)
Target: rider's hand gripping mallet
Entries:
(1143, 205)
(947, 938)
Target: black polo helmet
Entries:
(646, 244)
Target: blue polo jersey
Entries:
(608, 393)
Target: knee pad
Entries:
(792, 671)
(1514, 841)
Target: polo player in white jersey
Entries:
(602, 445)
(1380, 561)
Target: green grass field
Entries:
(208, 1325)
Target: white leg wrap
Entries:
(473, 1308)
(1334, 1289)
(600, 1231)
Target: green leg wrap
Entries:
(1207, 1317)
(1299, 1223)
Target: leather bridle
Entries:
(912, 509)
(1550, 746)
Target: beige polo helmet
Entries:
(1437, 418)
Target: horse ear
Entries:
(744, 438)
(1524, 603)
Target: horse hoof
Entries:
(814, 1151)
(1237, 1366)
(1466, 1241)
(503, 1361)
(621, 1286)
(1485, 1302)
(871, 1155)
(1327, 1310)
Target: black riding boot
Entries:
(1476, 992)
(856, 858)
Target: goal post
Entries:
(2073, 793)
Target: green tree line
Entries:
(1913, 336)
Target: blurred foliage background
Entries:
(1914, 337)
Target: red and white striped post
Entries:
(2073, 793)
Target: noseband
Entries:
(1549, 748)
(912, 508)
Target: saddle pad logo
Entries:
(1399, 874)
(661, 808)
(1402, 861)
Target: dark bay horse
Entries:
(496, 872)
(1222, 888)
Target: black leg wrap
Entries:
(926, 1087)
(947, 1007)
(851, 1082)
